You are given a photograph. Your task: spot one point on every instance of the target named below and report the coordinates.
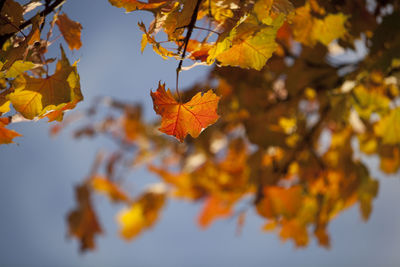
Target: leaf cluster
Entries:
(293, 106)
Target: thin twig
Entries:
(187, 38)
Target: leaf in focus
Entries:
(198, 50)
(82, 221)
(10, 54)
(110, 189)
(148, 39)
(141, 215)
(132, 5)
(175, 21)
(71, 31)
(213, 208)
(6, 135)
(33, 97)
(389, 127)
(19, 67)
(189, 118)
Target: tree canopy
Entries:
(277, 126)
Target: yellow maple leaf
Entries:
(249, 45)
(142, 214)
(34, 97)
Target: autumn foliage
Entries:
(277, 127)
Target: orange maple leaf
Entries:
(180, 119)
(71, 31)
(6, 135)
(213, 208)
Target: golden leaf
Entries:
(71, 31)
(141, 215)
(34, 97)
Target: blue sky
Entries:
(38, 176)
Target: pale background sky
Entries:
(38, 175)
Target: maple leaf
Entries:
(34, 97)
(71, 31)
(249, 45)
(11, 53)
(82, 221)
(176, 20)
(183, 183)
(148, 39)
(189, 118)
(389, 159)
(6, 135)
(132, 125)
(198, 51)
(17, 68)
(296, 231)
(280, 201)
(142, 214)
(263, 9)
(213, 208)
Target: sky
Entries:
(39, 173)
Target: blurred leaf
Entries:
(141, 215)
(82, 221)
(108, 188)
(213, 209)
